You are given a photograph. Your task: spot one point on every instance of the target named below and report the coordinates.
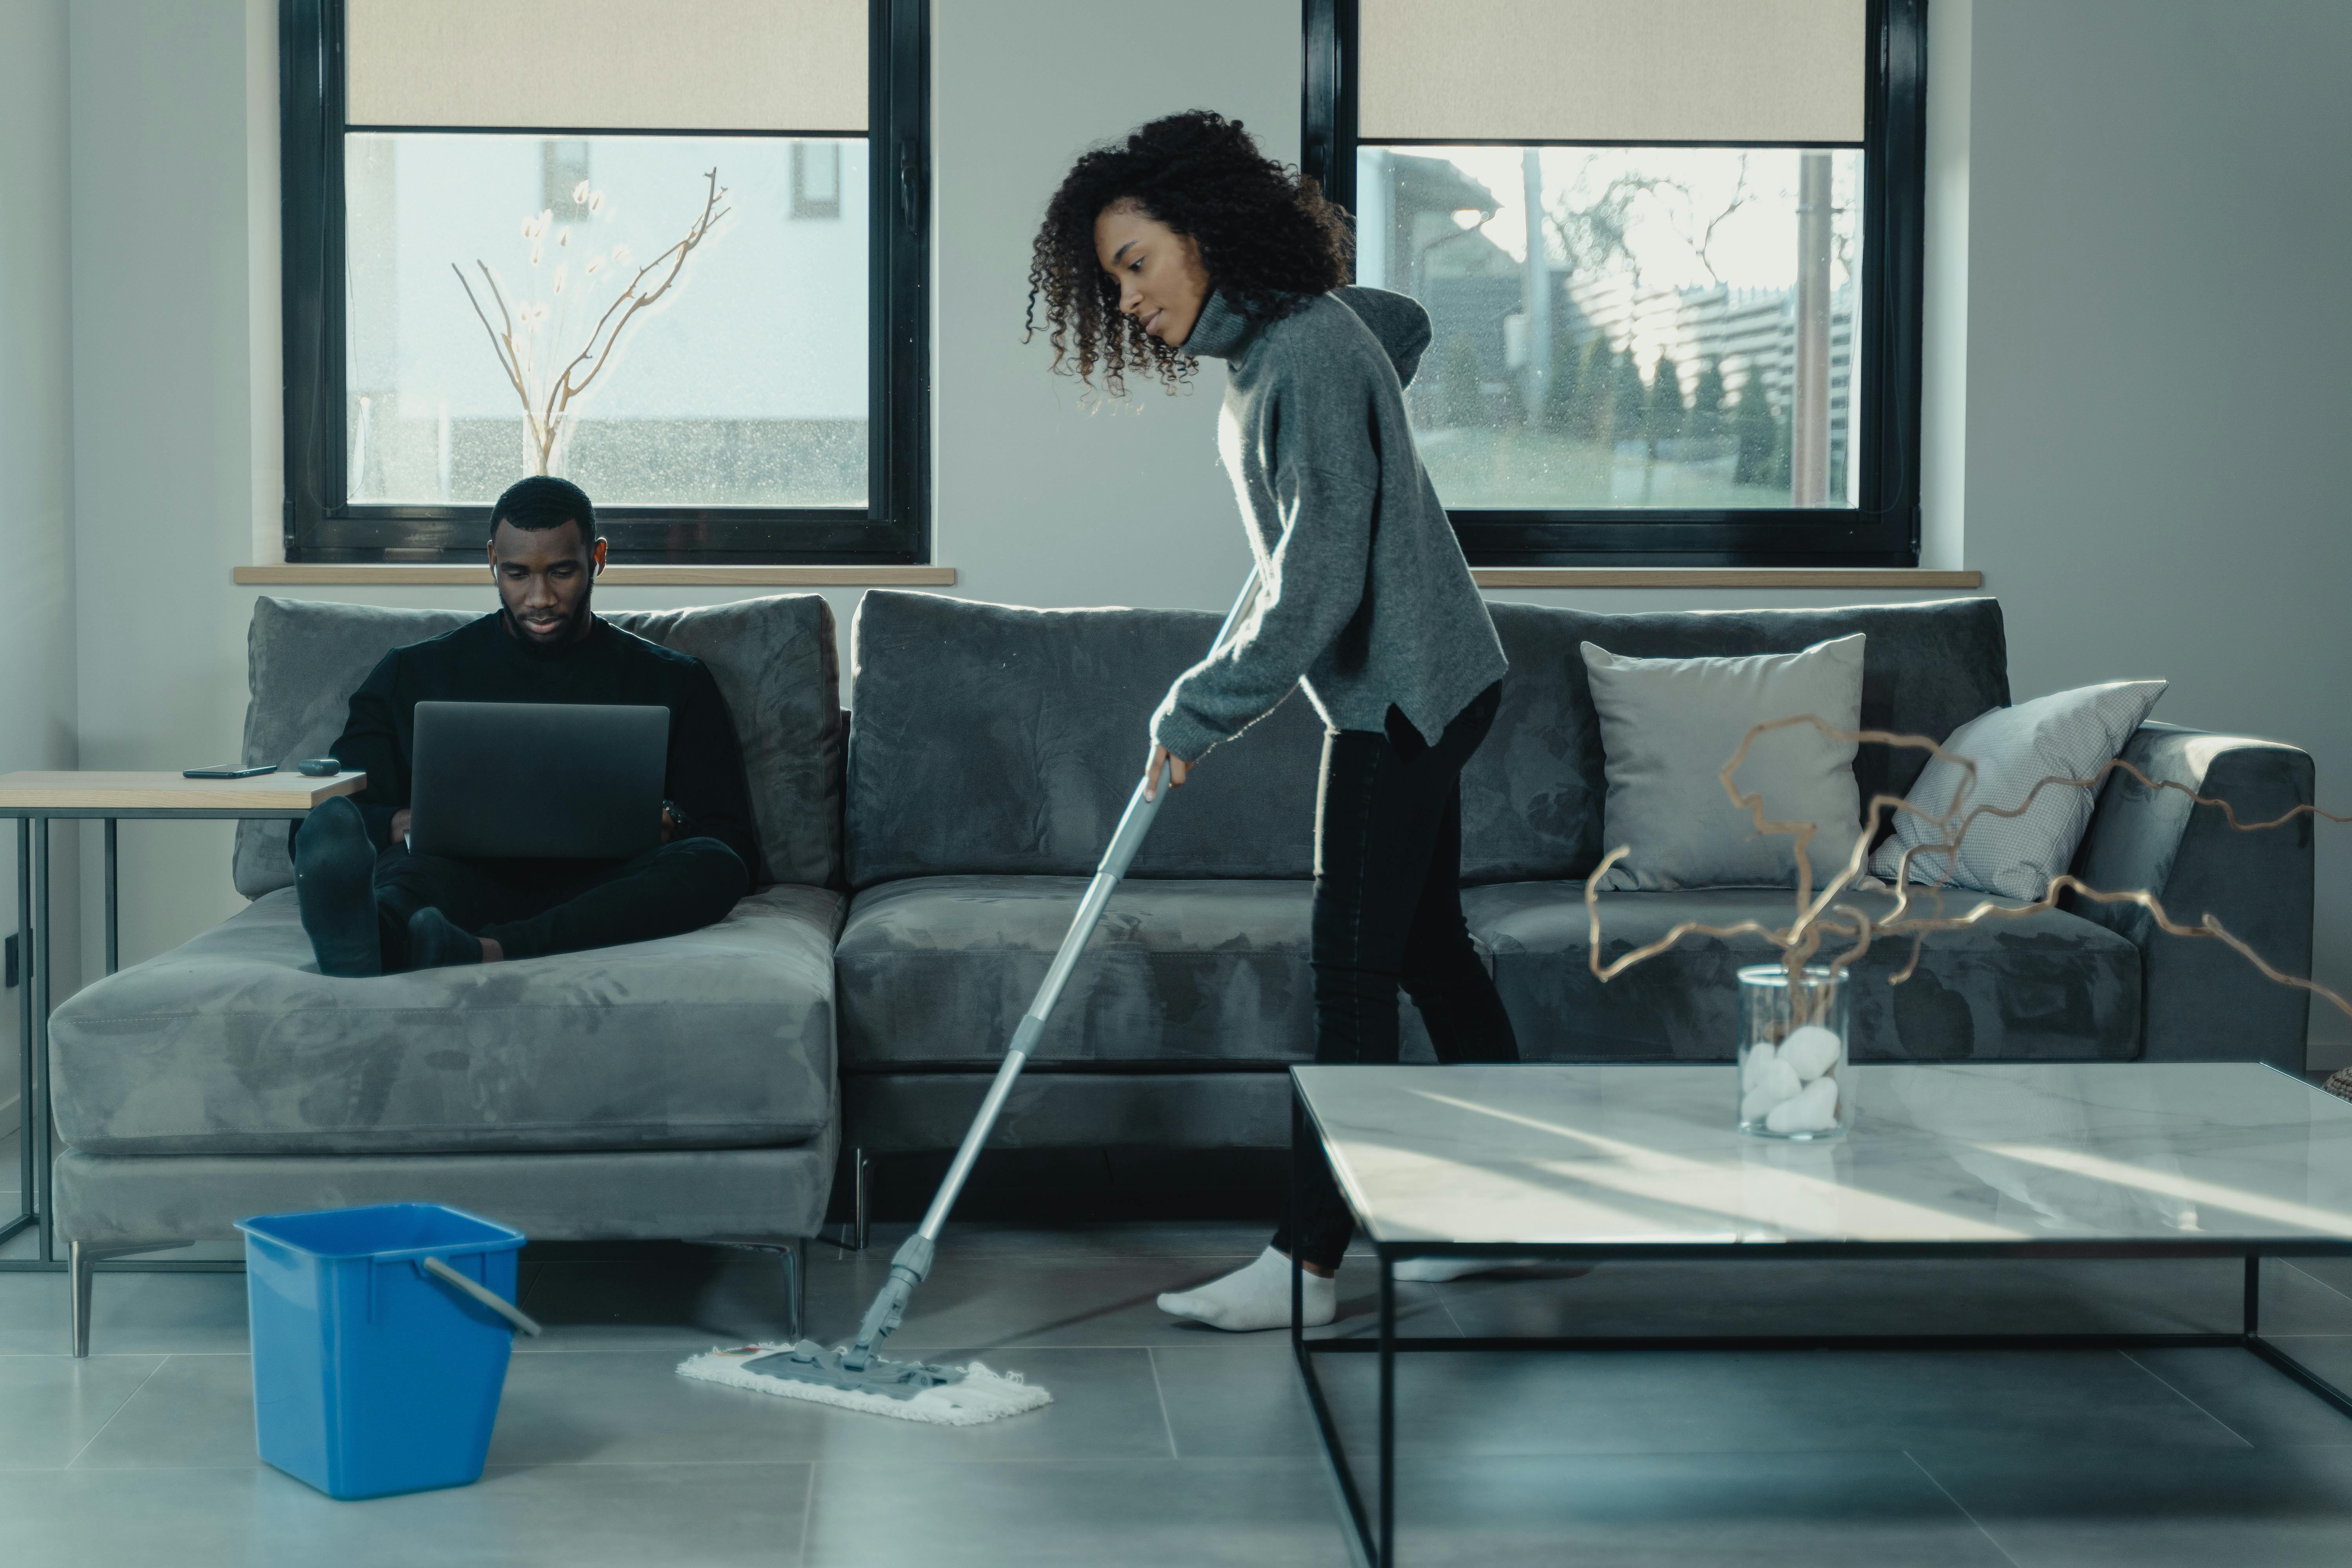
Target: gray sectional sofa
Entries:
(916, 889)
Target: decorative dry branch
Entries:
(547, 401)
(1822, 915)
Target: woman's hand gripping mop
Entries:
(856, 1376)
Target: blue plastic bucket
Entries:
(370, 1376)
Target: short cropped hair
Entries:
(544, 501)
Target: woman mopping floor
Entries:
(1186, 241)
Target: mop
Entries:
(854, 1377)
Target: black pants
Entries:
(534, 907)
(1388, 912)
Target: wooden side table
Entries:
(37, 799)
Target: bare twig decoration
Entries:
(1823, 915)
(546, 399)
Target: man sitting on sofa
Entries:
(372, 907)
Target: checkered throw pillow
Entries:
(2067, 734)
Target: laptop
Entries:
(537, 780)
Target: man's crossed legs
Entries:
(370, 913)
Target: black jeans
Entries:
(1388, 912)
(534, 907)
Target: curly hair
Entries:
(1269, 241)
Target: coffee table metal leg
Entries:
(2271, 1353)
(37, 1119)
(24, 1014)
(1290, 1222)
(114, 906)
(1302, 1148)
(1388, 1410)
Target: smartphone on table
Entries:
(229, 771)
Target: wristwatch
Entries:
(676, 815)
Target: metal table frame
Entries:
(1375, 1525)
(35, 1001)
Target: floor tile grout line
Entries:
(808, 1513)
(1937, 1482)
(118, 1410)
(2166, 1383)
(1159, 1391)
(2315, 1280)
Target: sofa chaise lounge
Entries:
(674, 1089)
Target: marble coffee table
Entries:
(1986, 1160)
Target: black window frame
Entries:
(1883, 530)
(322, 525)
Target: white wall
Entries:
(163, 318)
(2159, 331)
(2132, 232)
(36, 691)
(1041, 503)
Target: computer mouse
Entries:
(318, 767)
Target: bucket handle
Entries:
(487, 1296)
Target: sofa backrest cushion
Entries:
(773, 659)
(996, 740)
(1534, 794)
(990, 740)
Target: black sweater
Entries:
(482, 662)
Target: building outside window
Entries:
(1670, 257)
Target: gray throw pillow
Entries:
(1668, 725)
(2067, 735)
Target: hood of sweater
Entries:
(1397, 322)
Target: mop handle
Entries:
(1133, 825)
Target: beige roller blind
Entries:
(666, 65)
(1770, 71)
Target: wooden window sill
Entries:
(1722, 577)
(616, 576)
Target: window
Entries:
(604, 268)
(1671, 257)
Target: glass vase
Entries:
(1795, 1081)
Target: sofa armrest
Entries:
(2199, 1001)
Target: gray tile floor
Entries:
(1170, 1447)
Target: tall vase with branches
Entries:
(533, 337)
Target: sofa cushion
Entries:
(2050, 986)
(1534, 794)
(990, 741)
(773, 659)
(235, 1044)
(934, 972)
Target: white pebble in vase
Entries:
(1812, 1051)
(1776, 1085)
(1813, 1111)
(1760, 1056)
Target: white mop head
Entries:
(981, 1396)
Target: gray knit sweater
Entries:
(1362, 588)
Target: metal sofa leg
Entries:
(858, 1192)
(82, 1260)
(795, 1261)
(77, 1271)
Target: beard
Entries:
(575, 626)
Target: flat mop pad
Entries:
(911, 1391)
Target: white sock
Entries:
(1256, 1297)
(1438, 1270)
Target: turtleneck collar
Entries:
(1221, 331)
